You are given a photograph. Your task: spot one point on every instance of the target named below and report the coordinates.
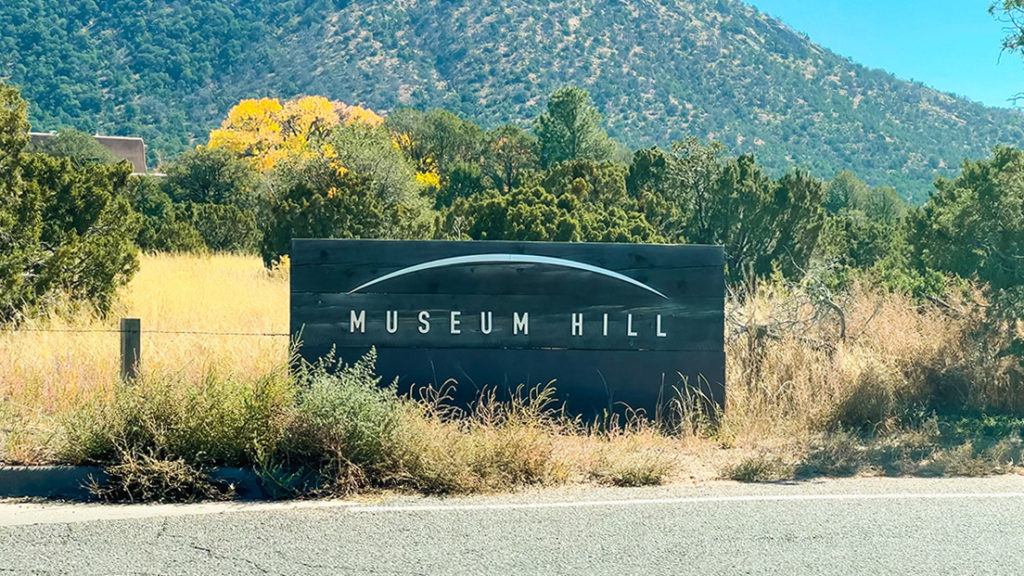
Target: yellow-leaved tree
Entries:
(268, 131)
(252, 130)
(332, 171)
(357, 115)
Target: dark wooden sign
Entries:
(613, 325)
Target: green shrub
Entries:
(161, 229)
(222, 227)
(65, 230)
(344, 423)
(70, 238)
(222, 420)
(315, 201)
(497, 445)
(212, 176)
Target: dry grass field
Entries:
(217, 293)
(44, 375)
(806, 396)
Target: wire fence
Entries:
(168, 332)
(131, 333)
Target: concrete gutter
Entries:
(71, 482)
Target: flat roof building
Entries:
(123, 147)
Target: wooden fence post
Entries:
(131, 336)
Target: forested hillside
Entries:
(659, 70)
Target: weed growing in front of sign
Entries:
(343, 423)
(633, 456)
(144, 478)
(763, 466)
(498, 443)
(335, 432)
(217, 421)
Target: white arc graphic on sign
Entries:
(507, 259)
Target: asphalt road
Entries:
(869, 526)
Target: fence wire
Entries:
(147, 332)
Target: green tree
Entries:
(579, 201)
(844, 189)
(464, 180)
(221, 227)
(209, 200)
(438, 139)
(450, 139)
(161, 229)
(1011, 13)
(86, 227)
(526, 214)
(694, 175)
(973, 225)
(765, 225)
(600, 183)
(370, 152)
(882, 204)
(314, 199)
(13, 136)
(215, 193)
(18, 218)
(617, 224)
(798, 217)
(212, 176)
(570, 129)
(410, 127)
(847, 192)
(511, 151)
(648, 172)
(649, 185)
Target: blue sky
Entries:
(952, 45)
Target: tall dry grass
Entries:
(874, 382)
(46, 374)
(791, 374)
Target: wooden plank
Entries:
(307, 252)
(483, 321)
(588, 383)
(131, 348)
(525, 279)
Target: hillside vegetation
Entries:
(658, 70)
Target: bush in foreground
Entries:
(319, 433)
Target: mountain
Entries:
(660, 70)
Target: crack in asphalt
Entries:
(230, 558)
(162, 531)
(344, 569)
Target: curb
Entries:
(69, 482)
(59, 482)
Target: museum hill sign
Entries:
(612, 325)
